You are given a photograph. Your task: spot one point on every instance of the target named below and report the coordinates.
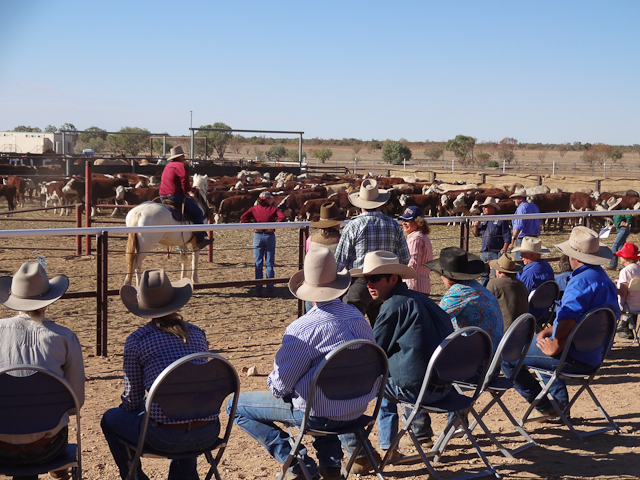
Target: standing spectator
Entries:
(524, 227)
(368, 232)
(623, 229)
(496, 236)
(31, 338)
(264, 240)
(420, 248)
(511, 293)
(628, 301)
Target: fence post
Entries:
(554, 167)
(464, 235)
(87, 202)
(504, 165)
(99, 266)
(102, 294)
(598, 185)
(78, 225)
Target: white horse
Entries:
(153, 214)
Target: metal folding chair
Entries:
(545, 298)
(634, 286)
(351, 370)
(463, 356)
(186, 391)
(594, 333)
(512, 348)
(36, 403)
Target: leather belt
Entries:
(264, 231)
(26, 447)
(185, 425)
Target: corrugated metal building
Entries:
(34, 142)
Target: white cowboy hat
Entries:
(531, 245)
(369, 195)
(505, 264)
(613, 202)
(319, 280)
(381, 262)
(176, 152)
(156, 296)
(584, 246)
(30, 289)
(489, 202)
(520, 192)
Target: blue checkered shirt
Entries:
(368, 232)
(304, 345)
(147, 352)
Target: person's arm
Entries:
(413, 244)
(476, 228)
(402, 250)
(247, 217)
(291, 363)
(506, 236)
(384, 328)
(514, 237)
(133, 395)
(554, 346)
(622, 288)
(345, 248)
(184, 180)
(280, 216)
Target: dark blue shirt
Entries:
(495, 233)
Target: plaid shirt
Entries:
(368, 232)
(147, 352)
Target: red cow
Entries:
(9, 193)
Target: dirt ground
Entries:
(248, 331)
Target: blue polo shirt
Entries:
(535, 274)
(527, 227)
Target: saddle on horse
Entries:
(176, 210)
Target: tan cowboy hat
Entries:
(531, 245)
(30, 289)
(330, 216)
(520, 192)
(613, 202)
(505, 264)
(176, 152)
(319, 280)
(156, 296)
(457, 264)
(381, 262)
(584, 245)
(369, 195)
(489, 202)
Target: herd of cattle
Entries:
(300, 197)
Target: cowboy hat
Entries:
(505, 264)
(30, 289)
(369, 195)
(584, 246)
(381, 262)
(176, 152)
(156, 296)
(489, 202)
(266, 194)
(330, 216)
(411, 213)
(613, 202)
(457, 264)
(531, 245)
(628, 251)
(520, 192)
(319, 280)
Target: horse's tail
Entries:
(132, 246)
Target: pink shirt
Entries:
(421, 251)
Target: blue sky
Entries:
(540, 71)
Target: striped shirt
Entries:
(368, 232)
(421, 252)
(304, 345)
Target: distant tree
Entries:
(23, 128)
(129, 145)
(562, 150)
(259, 154)
(156, 144)
(462, 147)
(493, 164)
(395, 152)
(70, 127)
(292, 154)
(276, 152)
(374, 145)
(323, 154)
(434, 152)
(87, 137)
(615, 154)
(483, 158)
(356, 148)
(507, 149)
(236, 142)
(542, 155)
(217, 140)
(50, 129)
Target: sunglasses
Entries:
(378, 277)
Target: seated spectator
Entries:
(511, 293)
(628, 301)
(535, 271)
(565, 272)
(31, 338)
(467, 302)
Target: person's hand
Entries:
(546, 346)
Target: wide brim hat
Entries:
(628, 251)
(584, 245)
(319, 280)
(457, 264)
(369, 196)
(489, 202)
(30, 289)
(330, 216)
(381, 262)
(156, 296)
(613, 204)
(505, 264)
(520, 192)
(531, 245)
(176, 152)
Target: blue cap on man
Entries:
(411, 213)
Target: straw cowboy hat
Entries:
(520, 192)
(156, 296)
(489, 202)
(369, 195)
(612, 203)
(176, 152)
(330, 216)
(505, 264)
(628, 251)
(30, 289)
(319, 280)
(457, 264)
(381, 262)
(584, 245)
(411, 213)
(531, 245)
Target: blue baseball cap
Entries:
(411, 213)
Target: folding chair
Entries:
(634, 286)
(351, 370)
(462, 356)
(545, 298)
(512, 348)
(185, 391)
(594, 333)
(36, 403)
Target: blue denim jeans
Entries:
(528, 386)
(264, 251)
(518, 243)
(485, 257)
(257, 413)
(191, 208)
(41, 455)
(120, 423)
(621, 238)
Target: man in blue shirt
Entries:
(496, 236)
(589, 288)
(524, 227)
(536, 271)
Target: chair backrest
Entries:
(543, 297)
(634, 285)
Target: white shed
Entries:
(34, 142)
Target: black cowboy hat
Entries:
(457, 264)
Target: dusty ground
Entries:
(248, 331)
